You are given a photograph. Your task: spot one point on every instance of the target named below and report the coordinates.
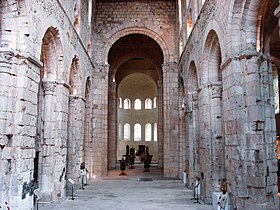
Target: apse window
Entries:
(137, 104)
(137, 132)
(148, 132)
(127, 132)
(120, 102)
(148, 103)
(126, 103)
(155, 132)
(155, 102)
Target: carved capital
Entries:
(216, 89)
(6, 55)
(49, 87)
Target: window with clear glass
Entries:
(120, 102)
(126, 132)
(155, 102)
(155, 132)
(126, 103)
(148, 132)
(137, 132)
(137, 104)
(148, 103)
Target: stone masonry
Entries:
(216, 117)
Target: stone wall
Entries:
(24, 24)
(240, 149)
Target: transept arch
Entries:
(122, 31)
(144, 62)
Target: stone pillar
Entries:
(112, 126)
(217, 137)
(192, 113)
(6, 78)
(182, 137)
(48, 143)
(7, 74)
(250, 134)
(160, 123)
(170, 120)
(100, 121)
(77, 143)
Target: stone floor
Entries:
(137, 190)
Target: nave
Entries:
(129, 192)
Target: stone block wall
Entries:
(248, 121)
(113, 17)
(23, 26)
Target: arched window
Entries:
(148, 103)
(126, 103)
(155, 132)
(148, 132)
(137, 104)
(137, 132)
(126, 132)
(120, 102)
(155, 102)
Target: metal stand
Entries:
(195, 193)
(72, 196)
(37, 204)
(72, 182)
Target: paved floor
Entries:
(137, 191)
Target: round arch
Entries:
(115, 35)
(242, 24)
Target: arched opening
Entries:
(49, 162)
(191, 109)
(136, 77)
(87, 154)
(212, 135)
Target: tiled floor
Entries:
(116, 192)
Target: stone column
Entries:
(192, 114)
(182, 137)
(217, 136)
(160, 123)
(100, 121)
(46, 164)
(7, 75)
(170, 120)
(77, 143)
(112, 126)
(6, 78)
